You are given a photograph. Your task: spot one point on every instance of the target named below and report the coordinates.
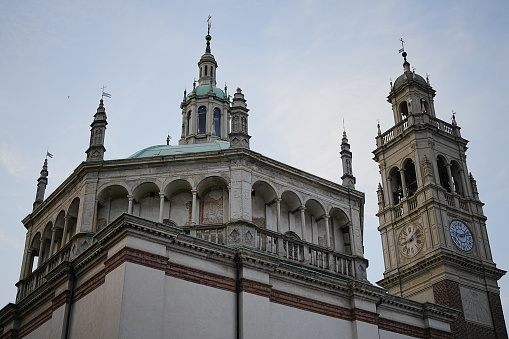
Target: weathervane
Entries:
(104, 94)
(209, 24)
(402, 49)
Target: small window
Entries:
(403, 109)
(206, 70)
(202, 119)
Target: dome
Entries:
(204, 89)
(162, 150)
(409, 76)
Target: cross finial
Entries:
(402, 49)
(209, 24)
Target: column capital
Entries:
(302, 208)
(161, 194)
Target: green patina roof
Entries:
(204, 89)
(161, 150)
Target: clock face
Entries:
(461, 235)
(411, 240)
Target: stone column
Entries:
(130, 204)
(466, 193)
(66, 226)
(53, 231)
(41, 251)
(302, 221)
(449, 177)
(403, 182)
(390, 192)
(29, 263)
(193, 208)
(327, 230)
(278, 216)
(161, 206)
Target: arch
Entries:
(410, 178)
(442, 173)
(403, 109)
(395, 186)
(424, 106)
(457, 180)
(178, 207)
(112, 201)
(44, 252)
(217, 121)
(315, 222)
(146, 201)
(188, 122)
(212, 193)
(59, 231)
(202, 120)
(34, 253)
(291, 220)
(263, 207)
(72, 214)
(341, 230)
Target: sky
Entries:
(304, 67)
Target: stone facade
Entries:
(205, 239)
(433, 228)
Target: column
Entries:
(466, 191)
(130, 204)
(278, 216)
(66, 226)
(161, 206)
(41, 251)
(403, 182)
(449, 177)
(53, 231)
(302, 222)
(193, 208)
(327, 230)
(313, 231)
(390, 192)
(29, 263)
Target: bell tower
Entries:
(206, 110)
(431, 221)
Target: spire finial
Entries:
(168, 138)
(406, 64)
(208, 37)
(104, 94)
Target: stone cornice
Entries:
(443, 258)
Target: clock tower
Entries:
(431, 220)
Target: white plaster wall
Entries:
(197, 311)
(50, 329)
(287, 322)
(391, 335)
(142, 302)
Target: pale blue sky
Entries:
(302, 65)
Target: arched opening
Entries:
(403, 109)
(34, 254)
(202, 119)
(214, 201)
(179, 205)
(188, 122)
(263, 205)
(206, 70)
(217, 121)
(59, 231)
(340, 225)
(456, 178)
(147, 201)
(424, 106)
(442, 173)
(72, 215)
(45, 244)
(111, 203)
(315, 222)
(410, 178)
(291, 219)
(396, 189)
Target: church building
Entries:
(210, 239)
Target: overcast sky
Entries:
(304, 66)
